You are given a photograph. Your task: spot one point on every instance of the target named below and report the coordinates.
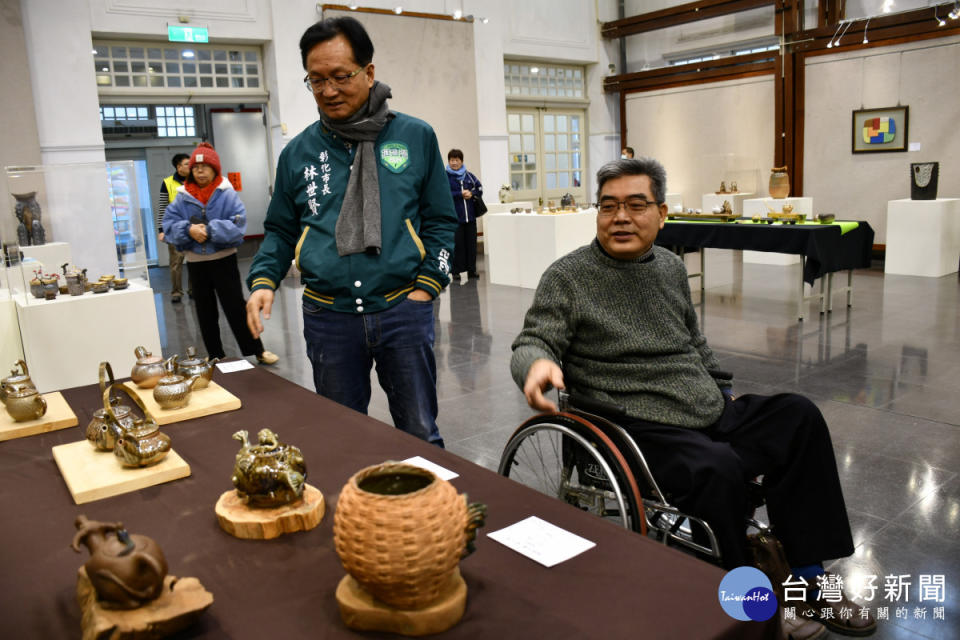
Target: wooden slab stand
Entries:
(203, 402)
(360, 610)
(180, 603)
(59, 415)
(251, 523)
(93, 475)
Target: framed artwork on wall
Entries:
(879, 130)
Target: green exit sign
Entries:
(179, 33)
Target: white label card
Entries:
(236, 365)
(437, 470)
(541, 541)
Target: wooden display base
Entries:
(93, 475)
(203, 402)
(361, 611)
(252, 523)
(59, 415)
(180, 603)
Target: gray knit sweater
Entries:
(623, 332)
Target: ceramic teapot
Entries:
(141, 444)
(25, 404)
(401, 531)
(173, 390)
(126, 570)
(194, 365)
(76, 281)
(147, 370)
(108, 423)
(268, 474)
(16, 381)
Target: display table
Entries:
(923, 237)
(285, 588)
(736, 200)
(522, 246)
(66, 339)
(762, 207)
(822, 248)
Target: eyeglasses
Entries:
(633, 206)
(315, 84)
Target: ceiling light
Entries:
(830, 43)
(484, 20)
(187, 53)
(865, 41)
(94, 52)
(940, 21)
(353, 7)
(457, 14)
(534, 69)
(953, 15)
(398, 10)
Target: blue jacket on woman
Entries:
(224, 215)
(466, 209)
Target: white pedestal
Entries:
(736, 200)
(50, 255)
(64, 340)
(923, 237)
(11, 349)
(522, 246)
(763, 206)
(674, 202)
(498, 207)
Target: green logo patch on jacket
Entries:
(395, 156)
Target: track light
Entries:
(865, 41)
(953, 15)
(940, 21)
(830, 43)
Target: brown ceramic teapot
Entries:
(147, 370)
(269, 473)
(173, 390)
(113, 419)
(126, 570)
(141, 444)
(25, 404)
(194, 365)
(16, 381)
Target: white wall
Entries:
(706, 133)
(923, 75)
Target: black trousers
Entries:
(465, 248)
(221, 279)
(785, 439)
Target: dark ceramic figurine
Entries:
(268, 474)
(126, 570)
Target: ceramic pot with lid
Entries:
(141, 444)
(147, 370)
(109, 422)
(126, 570)
(194, 365)
(173, 390)
(16, 381)
(25, 404)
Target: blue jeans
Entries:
(342, 347)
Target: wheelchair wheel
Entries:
(569, 458)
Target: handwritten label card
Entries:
(440, 472)
(236, 365)
(541, 541)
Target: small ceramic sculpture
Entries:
(505, 194)
(126, 570)
(924, 177)
(30, 231)
(195, 365)
(141, 444)
(269, 473)
(779, 182)
(173, 390)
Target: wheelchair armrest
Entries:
(720, 375)
(593, 405)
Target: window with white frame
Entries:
(121, 66)
(542, 80)
(172, 121)
(546, 153)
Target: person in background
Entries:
(168, 191)
(207, 221)
(464, 187)
(626, 152)
(361, 204)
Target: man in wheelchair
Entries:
(618, 317)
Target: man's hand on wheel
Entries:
(543, 375)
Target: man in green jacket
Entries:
(362, 205)
(618, 317)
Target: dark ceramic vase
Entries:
(923, 180)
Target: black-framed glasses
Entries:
(315, 84)
(633, 206)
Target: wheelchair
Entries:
(582, 456)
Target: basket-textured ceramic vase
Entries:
(400, 531)
(779, 183)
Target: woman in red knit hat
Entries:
(207, 222)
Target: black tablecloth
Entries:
(627, 586)
(825, 248)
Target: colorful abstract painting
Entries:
(879, 130)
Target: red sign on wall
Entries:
(234, 178)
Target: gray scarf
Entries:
(358, 226)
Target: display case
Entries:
(84, 215)
(731, 170)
